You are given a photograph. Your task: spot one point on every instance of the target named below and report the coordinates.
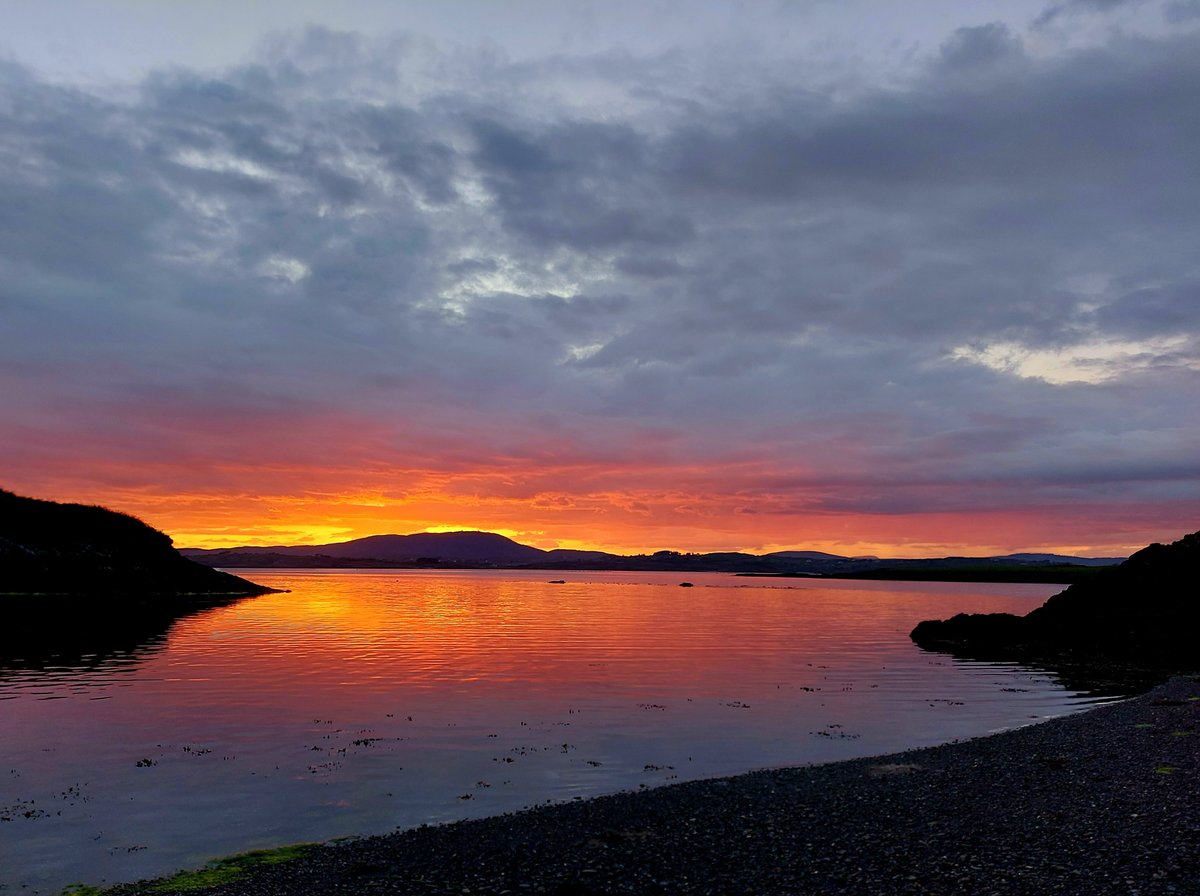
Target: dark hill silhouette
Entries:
(454, 547)
(1060, 558)
(461, 548)
(52, 548)
(806, 555)
(1144, 611)
(569, 555)
(489, 550)
(82, 586)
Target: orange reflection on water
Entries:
(364, 701)
(514, 636)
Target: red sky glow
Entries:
(647, 278)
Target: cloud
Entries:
(1084, 363)
(415, 262)
(1081, 7)
(979, 46)
(1182, 11)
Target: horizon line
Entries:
(646, 552)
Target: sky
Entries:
(865, 277)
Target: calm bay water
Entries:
(362, 702)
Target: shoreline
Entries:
(1106, 800)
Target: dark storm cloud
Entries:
(575, 184)
(1075, 7)
(367, 228)
(1154, 311)
(1100, 119)
(1182, 11)
(642, 265)
(980, 45)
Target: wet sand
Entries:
(1105, 801)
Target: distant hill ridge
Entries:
(454, 547)
(489, 549)
(1060, 558)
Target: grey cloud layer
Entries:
(350, 227)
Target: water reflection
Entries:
(358, 703)
(76, 635)
(1095, 678)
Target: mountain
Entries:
(1144, 610)
(805, 555)
(52, 548)
(452, 547)
(487, 550)
(424, 548)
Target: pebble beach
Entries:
(1104, 801)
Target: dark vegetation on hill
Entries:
(83, 584)
(52, 548)
(1143, 613)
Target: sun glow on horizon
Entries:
(301, 534)
(629, 523)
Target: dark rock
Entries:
(1144, 611)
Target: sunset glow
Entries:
(622, 522)
(640, 279)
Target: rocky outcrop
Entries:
(74, 549)
(1144, 611)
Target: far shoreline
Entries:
(1035, 576)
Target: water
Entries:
(365, 701)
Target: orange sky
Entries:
(630, 519)
(666, 285)
(223, 480)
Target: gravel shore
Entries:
(1106, 801)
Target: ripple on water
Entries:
(364, 701)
